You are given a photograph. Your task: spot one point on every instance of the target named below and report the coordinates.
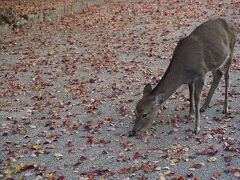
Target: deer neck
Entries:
(169, 83)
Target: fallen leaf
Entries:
(8, 172)
(147, 167)
(50, 176)
(36, 147)
(122, 171)
(197, 165)
(161, 177)
(61, 178)
(137, 155)
(173, 161)
(89, 140)
(58, 156)
(212, 159)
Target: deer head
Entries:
(146, 109)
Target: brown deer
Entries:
(208, 48)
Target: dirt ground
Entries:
(68, 93)
(25, 7)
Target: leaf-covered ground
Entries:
(25, 7)
(68, 91)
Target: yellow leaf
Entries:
(36, 88)
(101, 178)
(173, 161)
(50, 176)
(8, 171)
(36, 147)
(161, 177)
(17, 168)
(33, 27)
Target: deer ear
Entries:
(160, 98)
(147, 89)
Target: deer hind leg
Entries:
(198, 86)
(225, 108)
(226, 76)
(191, 98)
(217, 74)
(225, 69)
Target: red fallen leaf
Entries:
(75, 125)
(216, 174)
(181, 178)
(230, 148)
(85, 102)
(18, 33)
(92, 112)
(89, 140)
(228, 157)
(219, 130)
(196, 178)
(79, 161)
(137, 155)
(229, 141)
(70, 143)
(174, 121)
(132, 169)
(122, 171)
(211, 151)
(197, 165)
(98, 172)
(147, 167)
(95, 79)
(123, 110)
(122, 158)
(67, 122)
(27, 167)
(91, 177)
(88, 127)
(102, 141)
(61, 178)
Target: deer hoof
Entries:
(197, 130)
(225, 111)
(203, 109)
(191, 116)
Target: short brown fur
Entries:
(208, 48)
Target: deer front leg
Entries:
(198, 85)
(191, 98)
(216, 78)
(226, 75)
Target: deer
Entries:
(208, 48)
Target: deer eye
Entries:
(144, 115)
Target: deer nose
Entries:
(132, 133)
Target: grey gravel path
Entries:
(68, 91)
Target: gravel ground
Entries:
(68, 92)
(26, 7)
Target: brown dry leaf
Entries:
(146, 167)
(89, 140)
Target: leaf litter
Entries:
(74, 85)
